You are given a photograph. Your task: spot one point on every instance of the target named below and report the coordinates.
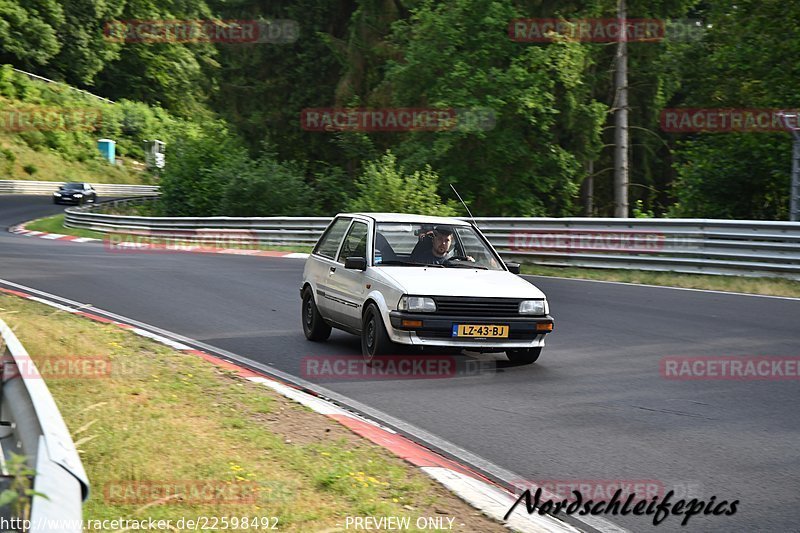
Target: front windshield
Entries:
(418, 244)
(73, 186)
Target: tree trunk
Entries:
(621, 119)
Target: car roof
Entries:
(408, 218)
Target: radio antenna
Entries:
(464, 204)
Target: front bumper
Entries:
(67, 199)
(436, 330)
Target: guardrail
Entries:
(46, 80)
(49, 187)
(289, 231)
(31, 424)
(752, 248)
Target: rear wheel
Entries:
(375, 341)
(524, 356)
(314, 325)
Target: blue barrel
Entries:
(107, 149)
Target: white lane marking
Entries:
(35, 233)
(496, 502)
(668, 287)
(53, 304)
(296, 255)
(320, 405)
(169, 342)
(84, 239)
(53, 236)
(312, 402)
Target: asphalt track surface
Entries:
(594, 408)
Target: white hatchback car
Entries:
(421, 281)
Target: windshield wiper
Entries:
(397, 262)
(463, 262)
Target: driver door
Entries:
(348, 286)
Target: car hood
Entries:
(460, 282)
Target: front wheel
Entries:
(314, 325)
(375, 342)
(524, 356)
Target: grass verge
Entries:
(55, 224)
(159, 416)
(765, 286)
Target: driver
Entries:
(441, 247)
(440, 250)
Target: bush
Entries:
(383, 186)
(199, 165)
(265, 188)
(7, 159)
(30, 169)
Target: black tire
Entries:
(314, 325)
(375, 342)
(524, 356)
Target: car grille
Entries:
(477, 307)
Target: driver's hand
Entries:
(470, 258)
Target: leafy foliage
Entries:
(386, 187)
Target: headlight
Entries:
(56, 194)
(533, 307)
(78, 195)
(417, 304)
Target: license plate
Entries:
(479, 330)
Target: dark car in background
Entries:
(75, 193)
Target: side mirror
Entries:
(356, 263)
(513, 267)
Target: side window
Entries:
(329, 243)
(355, 244)
(473, 247)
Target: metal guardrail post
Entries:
(794, 187)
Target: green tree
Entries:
(197, 171)
(28, 31)
(744, 61)
(530, 161)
